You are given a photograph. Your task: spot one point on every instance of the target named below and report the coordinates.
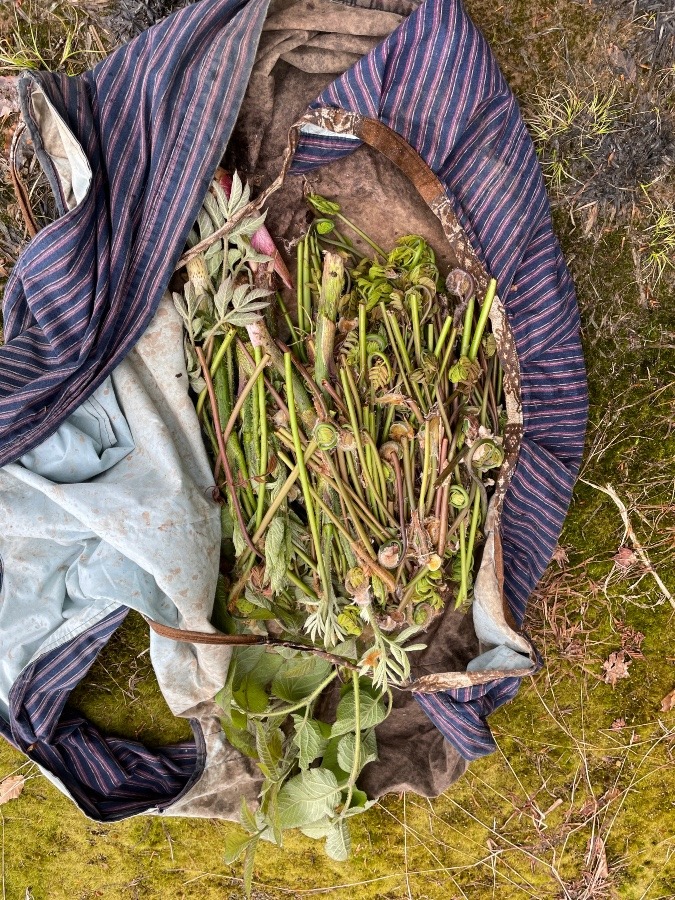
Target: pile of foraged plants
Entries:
(355, 460)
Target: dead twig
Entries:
(629, 534)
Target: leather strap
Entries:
(390, 144)
(19, 187)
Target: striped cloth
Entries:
(154, 119)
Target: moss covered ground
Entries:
(578, 801)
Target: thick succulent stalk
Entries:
(331, 290)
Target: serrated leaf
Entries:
(221, 197)
(247, 817)
(204, 225)
(241, 320)
(234, 846)
(309, 740)
(347, 747)
(308, 798)
(250, 695)
(318, 829)
(339, 842)
(249, 862)
(235, 193)
(276, 562)
(329, 760)
(300, 677)
(214, 263)
(372, 711)
(240, 740)
(247, 227)
(270, 750)
(212, 208)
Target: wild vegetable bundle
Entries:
(354, 460)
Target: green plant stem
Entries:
(425, 469)
(445, 331)
(300, 287)
(306, 287)
(407, 471)
(215, 365)
(410, 587)
(287, 319)
(482, 320)
(463, 588)
(304, 479)
(331, 290)
(356, 765)
(468, 326)
(362, 235)
(287, 710)
(246, 390)
(300, 584)
(339, 485)
(472, 531)
(311, 448)
(363, 342)
(262, 420)
(417, 335)
(223, 452)
(448, 354)
(359, 445)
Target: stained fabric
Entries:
(154, 120)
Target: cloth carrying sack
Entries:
(105, 490)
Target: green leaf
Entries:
(300, 677)
(240, 740)
(359, 799)
(276, 561)
(318, 829)
(372, 711)
(339, 842)
(270, 750)
(309, 740)
(247, 817)
(258, 661)
(249, 862)
(347, 746)
(330, 762)
(307, 798)
(235, 844)
(250, 695)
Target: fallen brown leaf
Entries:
(668, 702)
(11, 787)
(616, 667)
(625, 557)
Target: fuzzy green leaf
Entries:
(276, 561)
(347, 746)
(300, 677)
(250, 696)
(372, 711)
(319, 829)
(247, 817)
(308, 797)
(309, 740)
(234, 846)
(249, 862)
(339, 842)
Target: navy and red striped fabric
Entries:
(154, 120)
